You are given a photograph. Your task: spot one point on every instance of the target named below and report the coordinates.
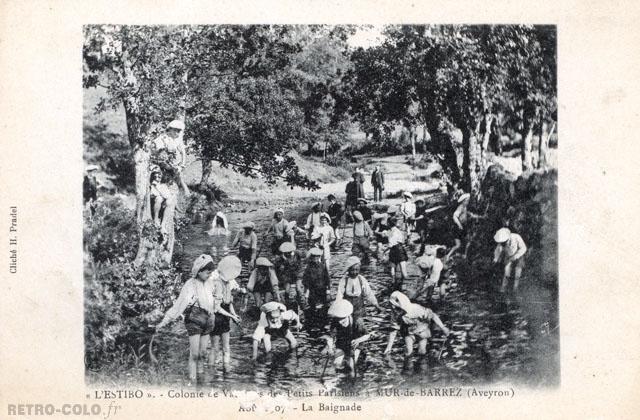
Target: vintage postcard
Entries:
(279, 210)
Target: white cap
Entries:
(502, 235)
(177, 124)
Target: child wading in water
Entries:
(361, 235)
(219, 233)
(223, 283)
(316, 281)
(408, 211)
(349, 334)
(510, 253)
(280, 228)
(397, 253)
(263, 282)
(326, 237)
(274, 322)
(248, 244)
(288, 266)
(431, 266)
(197, 303)
(355, 288)
(413, 322)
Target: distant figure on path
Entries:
(377, 180)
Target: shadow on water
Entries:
(494, 338)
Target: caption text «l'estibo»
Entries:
(13, 240)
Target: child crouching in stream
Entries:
(274, 322)
(413, 322)
(196, 301)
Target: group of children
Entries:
(294, 280)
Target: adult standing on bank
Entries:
(171, 142)
(377, 180)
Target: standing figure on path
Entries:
(353, 191)
(361, 235)
(263, 282)
(510, 252)
(355, 288)
(408, 211)
(170, 143)
(349, 334)
(397, 252)
(279, 227)
(431, 267)
(247, 242)
(377, 180)
(313, 220)
(197, 303)
(316, 281)
(288, 266)
(327, 237)
(219, 233)
(274, 322)
(413, 322)
(223, 278)
(364, 210)
(335, 212)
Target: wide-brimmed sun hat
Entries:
(199, 263)
(362, 200)
(273, 306)
(177, 124)
(358, 216)
(264, 262)
(464, 197)
(340, 309)
(316, 252)
(407, 194)
(424, 262)
(399, 300)
(502, 235)
(325, 216)
(248, 225)
(287, 247)
(229, 267)
(353, 260)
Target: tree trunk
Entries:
(543, 148)
(441, 144)
(527, 134)
(207, 169)
(471, 160)
(413, 143)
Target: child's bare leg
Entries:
(408, 345)
(204, 343)
(422, 346)
(214, 349)
(226, 355)
(293, 343)
(194, 356)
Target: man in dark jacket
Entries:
(377, 180)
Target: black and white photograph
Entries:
(353, 208)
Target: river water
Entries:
(495, 338)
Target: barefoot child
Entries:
(228, 269)
(349, 334)
(313, 220)
(219, 233)
(288, 266)
(413, 322)
(510, 252)
(274, 322)
(354, 288)
(248, 244)
(361, 234)
(397, 253)
(327, 237)
(431, 266)
(279, 227)
(197, 304)
(315, 281)
(408, 211)
(263, 282)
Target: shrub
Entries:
(111, 152)
(121, 304)
(111, 234)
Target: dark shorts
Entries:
(275, 245)
(222, 323)
(460, 234)
(244, 254)
(264, 287)
(278, 332)
(198, 321)
(397, 254)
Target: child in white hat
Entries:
(263, 282)
(349, 334)
(316, 281)
(431, 266)
(355, 288)
(224, 277)
(171, 142)
(197, 303)
(247, 242)
(412, 321)
(510, 252)
(288, 266)
(274, 322)
(408, 211)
